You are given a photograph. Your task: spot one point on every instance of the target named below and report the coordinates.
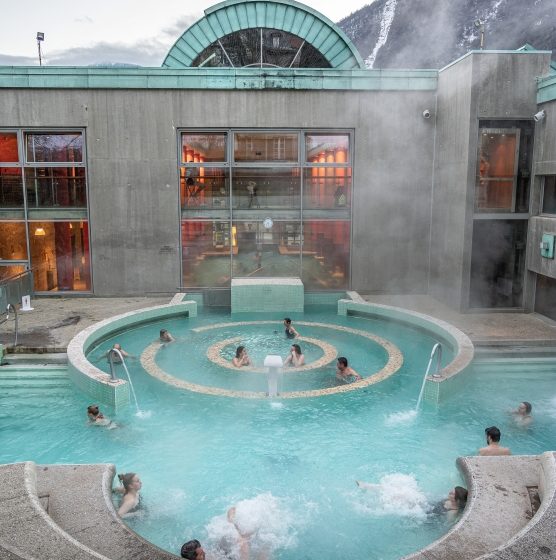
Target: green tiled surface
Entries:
(267, 296)
(323, 298)
(546, 89)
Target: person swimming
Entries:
(290, 332)
(522, 415)
(130, 488)
(166, 337)
(98, 419)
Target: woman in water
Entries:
(131, 485)
(241, 358)
(97, 418)
(296, 357)
(455, 504)
(166, 337)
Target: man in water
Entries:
(344, 372)
(97, 418)
(493, 447)
(290, 331)
(522, 415)
(115, 355)
(192, 550)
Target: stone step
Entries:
(80, 501)
(36, 359)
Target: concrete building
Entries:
(262, 147)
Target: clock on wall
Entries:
(268, 223)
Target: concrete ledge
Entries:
(496, 523)
(447, 334)
(94, 381)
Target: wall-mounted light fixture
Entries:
(39, 232)
(427, 114)
(539, 116)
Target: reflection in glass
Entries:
(266, 251)
(326, 246)
(204, 187)
(549, 195)
(11, 187)
(496, 171)
(8, 147)
(327, 187)
(266, 188)
(12, 241)
(60, 256)
(50, 147)
(203, 147)
(265, 146)
(10, 270)
(55, 186)
(206, 253)
(333, 147)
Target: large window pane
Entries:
(265, 146)
(327, 187)
(13, 245)
(60, 256)
(549, 195)
(203, 147)
(329, 148)
(55, 186)
(498, 263)
(54, 147)
(266, 188)
(8, 147)
(326, 254)
(206, 253)
(266, 248)
(204, 187)
(11, 187)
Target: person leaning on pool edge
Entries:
(493, 447)
(192, 550)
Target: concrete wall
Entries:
(133, 177)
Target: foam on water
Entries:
(144, 414)
(395, 494)
(402, 417)
(276, 405)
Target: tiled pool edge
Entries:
(96, 383)
(446, 382)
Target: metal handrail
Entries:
(111, 353)
(436, 350)
(6, 319)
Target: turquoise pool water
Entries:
(290, 464)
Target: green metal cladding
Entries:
(287, 15)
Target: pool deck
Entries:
(55, 321)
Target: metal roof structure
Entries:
(289, 16)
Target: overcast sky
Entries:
(110, 31)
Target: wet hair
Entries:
(528, 407)
(163, 332)
(189, 549)
(287, 320)
(297, 349)
(239, 350)
(93, 409)
(460, 495)
(493, 432)
(343, 361)
(126, 479)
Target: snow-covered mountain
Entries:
(432, 33)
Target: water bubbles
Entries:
(276, 405)
(402, 417)
(143, 414)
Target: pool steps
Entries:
(63, 512)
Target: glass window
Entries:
(266, 248)
(55, 186)
(13, 244)
(496, 170)
(265, 146)
(545, 296)
(327, 148)
(206, 253)
(270, 188)
(203, 147)
(549, 195)
(326, 254)
(327, 187)
(11, 187)
(53, 147)
(10, 270)
(8, 147)
(204, 187)
(60, 256)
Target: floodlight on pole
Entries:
(40, 39)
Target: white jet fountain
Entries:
(274, 365)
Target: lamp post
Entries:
(40, 39)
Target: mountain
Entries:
(433, 33)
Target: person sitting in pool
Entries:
(241, 358)
(493, 447)
(131, 485)
(192, 550)
(455, 504)
(290, 331)
(522, 415)
(166, 337)
(97, 418)
(344, 372)
(295, 357)
(115, 355)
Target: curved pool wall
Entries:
(446, 381)
(93, 381)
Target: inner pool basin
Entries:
(207, 437)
